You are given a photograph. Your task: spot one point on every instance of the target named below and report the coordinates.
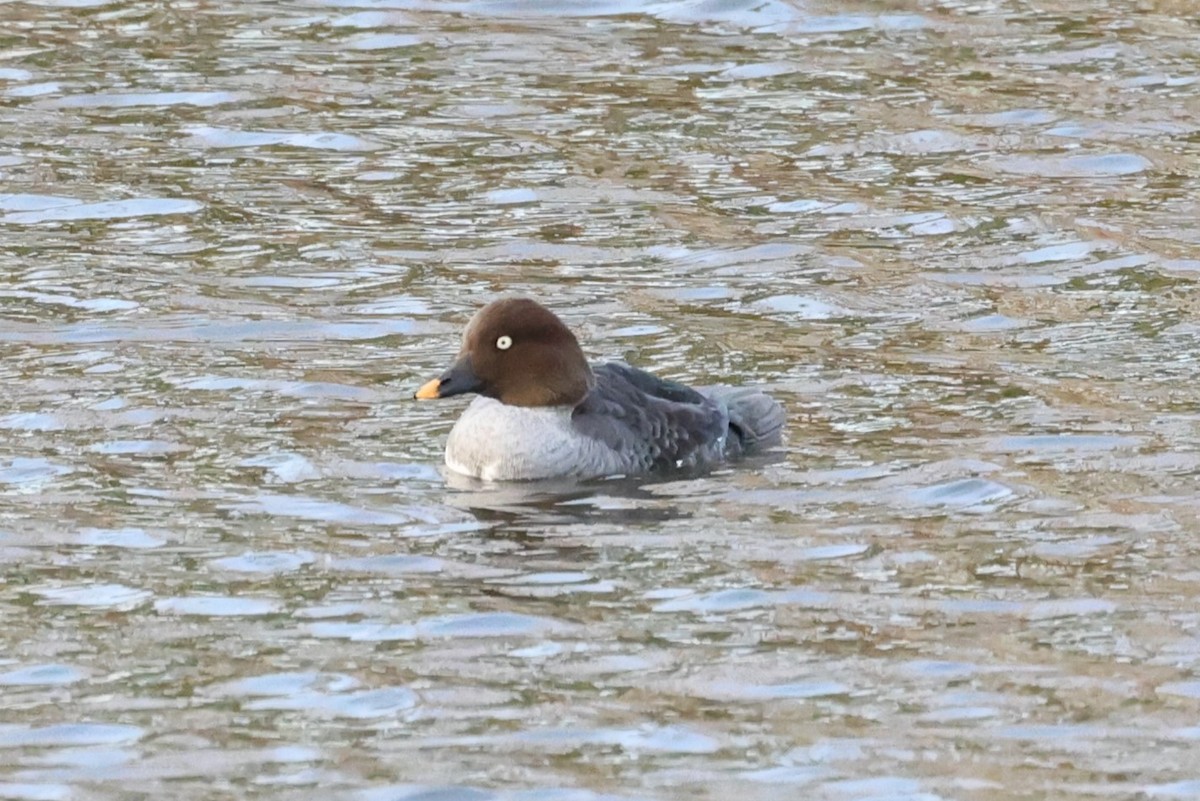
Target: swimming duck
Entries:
(543, 412)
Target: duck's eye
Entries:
(504, 342)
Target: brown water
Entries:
(958, 241)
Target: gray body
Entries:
(630, 422)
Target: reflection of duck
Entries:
(544, 413)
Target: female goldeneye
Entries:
(542, 412)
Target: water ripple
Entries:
(108, 210)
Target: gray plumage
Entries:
(629, 422)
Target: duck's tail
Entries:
(755, 418)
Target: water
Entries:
(958, 241)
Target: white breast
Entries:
(497, 442)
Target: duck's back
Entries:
(659, 424)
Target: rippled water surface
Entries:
(957, 240)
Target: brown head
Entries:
(516, 351)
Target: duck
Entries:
(541, 411)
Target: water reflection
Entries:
(958, 242)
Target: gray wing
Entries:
(657, 423)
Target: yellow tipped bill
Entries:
(428, 390)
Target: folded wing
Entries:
(655, 422)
